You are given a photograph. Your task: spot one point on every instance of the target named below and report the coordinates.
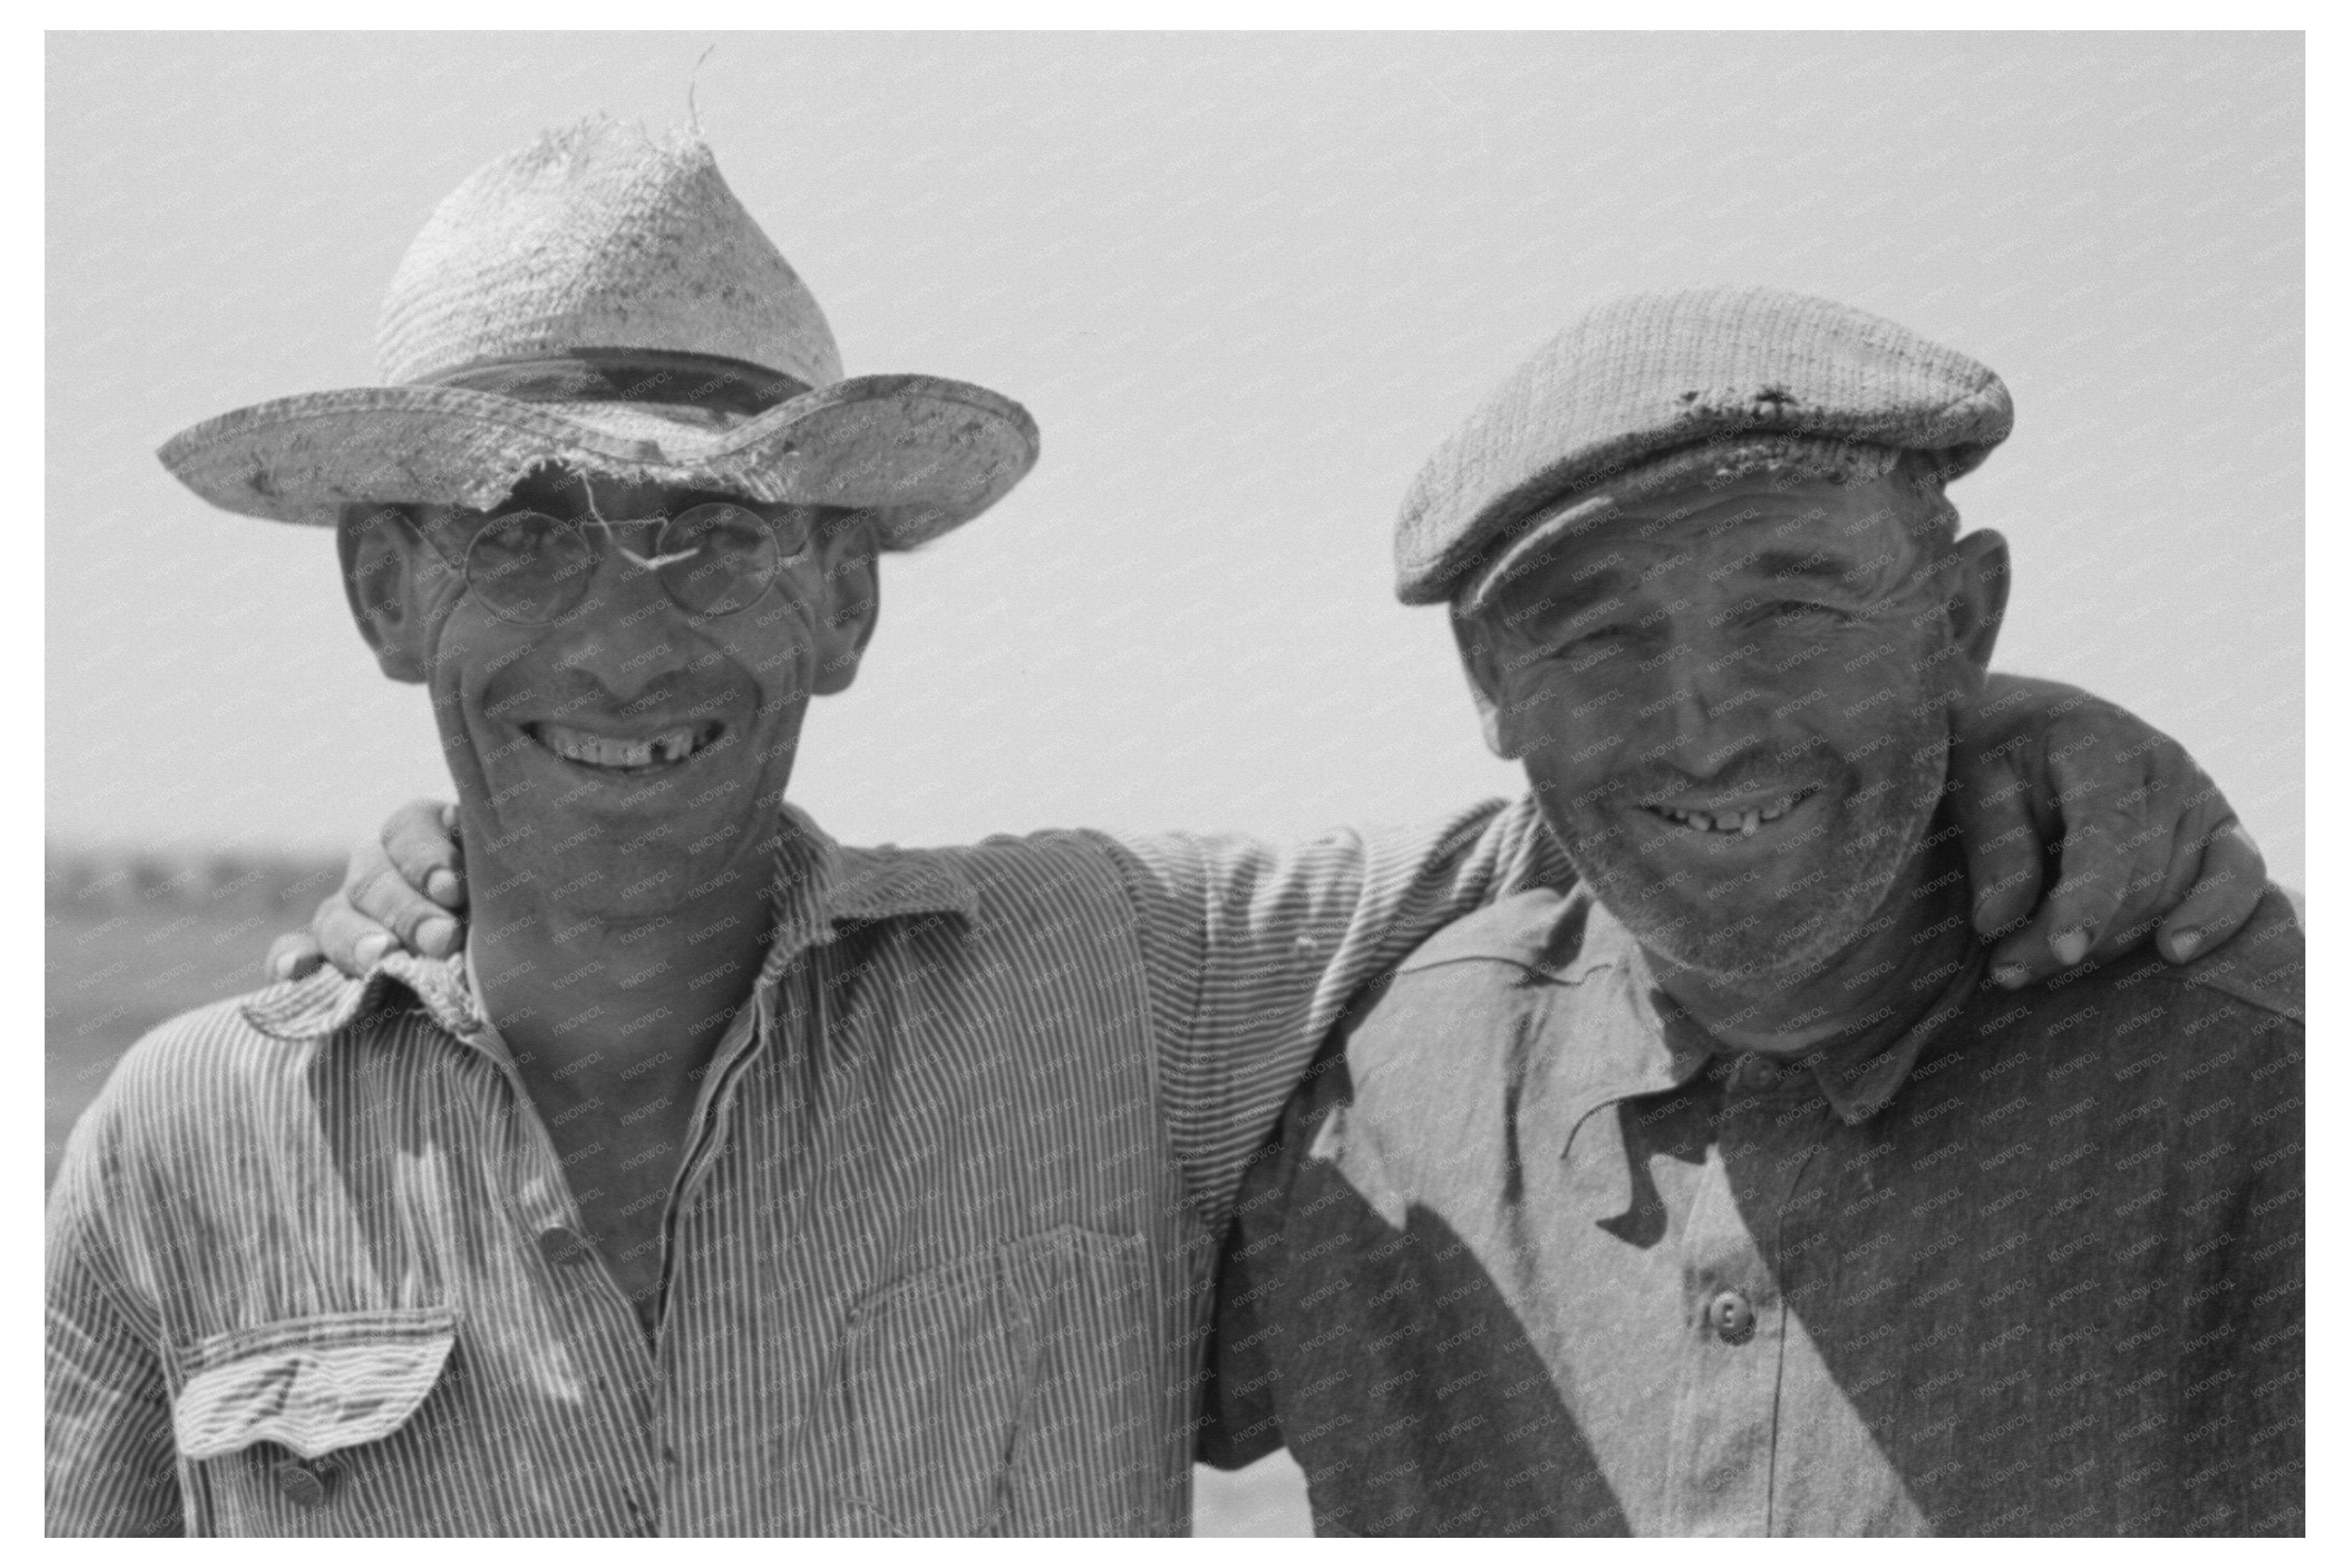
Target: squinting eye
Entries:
(1792, 613)
(716, 529)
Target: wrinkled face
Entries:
(633, 751)
(1736, 708)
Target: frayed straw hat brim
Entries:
(925, 454)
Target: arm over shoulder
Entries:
(1252, 949)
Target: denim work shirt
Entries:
(1534, 1254)
(936, 1261)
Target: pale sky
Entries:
(1244, 284)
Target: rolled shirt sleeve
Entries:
(1252, 949)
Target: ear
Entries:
(1483, 666)
(1978, 595)
(849, 550)
(389, 572)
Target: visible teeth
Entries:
(610, 752)
(1742, 823)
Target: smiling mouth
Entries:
(1741, 823)
(625, 756)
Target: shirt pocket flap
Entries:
(312, 1384)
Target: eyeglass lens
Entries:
(714, 559)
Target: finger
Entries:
(380, 895)
(352, 941)
(379, 892)
(2089, 887)
(2150, 897)
(2156, 854)
(1993, 807)
(2232, 874)
(422, 843)
(292, 956)
(2093, 883)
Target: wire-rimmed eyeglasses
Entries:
(530, 568)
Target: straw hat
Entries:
(600, 300)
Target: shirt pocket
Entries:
(298, 1426)
(1008, 1391)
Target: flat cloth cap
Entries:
(1655, 374)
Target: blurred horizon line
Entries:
(84, 878)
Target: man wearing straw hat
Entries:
(729, 1179)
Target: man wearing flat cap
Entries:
(1717, 1193)
(726, 1179)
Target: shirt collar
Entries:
(1859, 1076)
(1864, 1071)
(817, 887)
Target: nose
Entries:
(1715, 707)
(627, 633)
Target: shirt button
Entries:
(562, 1247)
(1733, 1316)
(1758, 1073)
(304, 1486)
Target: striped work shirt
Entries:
(935, 1260)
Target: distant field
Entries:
(131, 941)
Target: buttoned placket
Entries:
(758, 1031)
(802, 925)
(547, 1208)
(1726, 1409)
(1707, 1403)
(544, 1205)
